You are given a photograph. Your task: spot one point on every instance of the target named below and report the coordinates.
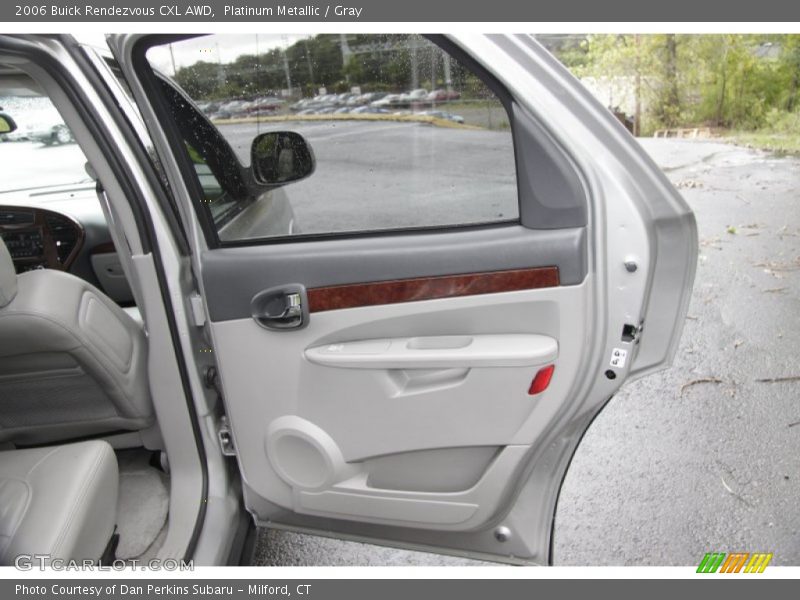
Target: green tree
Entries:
(200, 80)
(729, 80)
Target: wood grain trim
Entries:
(429, 288)
(103, 248)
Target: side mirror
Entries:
(7, 124)
(281, 157)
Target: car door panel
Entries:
(356, 424)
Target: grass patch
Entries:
(780, 134)
(781, 144)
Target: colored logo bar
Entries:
(736, 562)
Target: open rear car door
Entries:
(428, 388)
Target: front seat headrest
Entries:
(8, 276)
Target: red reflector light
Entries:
(542, 380)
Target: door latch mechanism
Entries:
(281, 308)
(225, 438)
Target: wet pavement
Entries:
(706, 456)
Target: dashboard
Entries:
(63, 228)
(40, 239)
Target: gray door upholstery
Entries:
(59, 501)
(72, 362)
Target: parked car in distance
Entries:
(208, 108)
(437, 96)
(50, 132)
(220, 115)
(387, 100)
(268, 103)
(418, 95)
(440, 114)
(369, 110)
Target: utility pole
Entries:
(433, 66)
(172, 58)
(286, 64)
(310, 66)
(414, 63)
(448, 80)
(220, 68)
(346, 52)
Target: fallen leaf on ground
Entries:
(792, 265)
(689, 184)
(712, 243)
(728, 488)
(689, 384)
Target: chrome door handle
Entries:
(292, 315)
(281, 308)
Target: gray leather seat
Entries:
(72, 362)
(59, 501)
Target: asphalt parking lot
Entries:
(702, 457)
